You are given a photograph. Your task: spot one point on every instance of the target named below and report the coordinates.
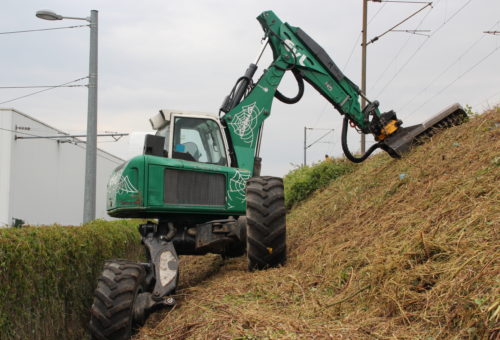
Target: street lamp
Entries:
(91, 149)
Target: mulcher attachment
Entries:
(401, 141)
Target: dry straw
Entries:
(375, 255)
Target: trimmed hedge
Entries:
(48, 275)
(302, 182)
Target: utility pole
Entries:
(89, 196)
(363, 67)
(316, 141)
(365, 43)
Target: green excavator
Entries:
(199, 181)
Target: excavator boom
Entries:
(293, 50)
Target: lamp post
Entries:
(91, 148)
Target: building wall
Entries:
(47, 176)
(5, 165)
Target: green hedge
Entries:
(303, 181)
(48, 275)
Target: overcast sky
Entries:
(188, 54)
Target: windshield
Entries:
(198, 140)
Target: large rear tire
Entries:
(266, 223)
(112, 310)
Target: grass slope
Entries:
(399, 249)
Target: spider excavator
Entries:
(199, 182)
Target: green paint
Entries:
(136, 189)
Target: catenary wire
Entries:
(44, 29)
(320, 138)
(398, 24)
(20, 132)
(477, 41)
(37, 86)
(398, 53)
(457, 78)
(420, 47)
(349, 60)
(77, 145)
(359, 37)
(47, 89)
(404, 2)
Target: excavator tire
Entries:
(112, 310)
(266, 223)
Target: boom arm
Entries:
(293, 50)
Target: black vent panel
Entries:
(192, 187)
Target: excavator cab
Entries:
(195, 137)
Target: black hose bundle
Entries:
(345, 147)
(300, 82)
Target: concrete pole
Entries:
(91, 148)
(363, 67)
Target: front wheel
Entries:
(112, 313)
(266, 223)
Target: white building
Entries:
(42, 180)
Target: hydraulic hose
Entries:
(171, 231)
(345, 147)
(300, 82)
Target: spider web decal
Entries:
(245, 121)
(237, 186)
(119, 184)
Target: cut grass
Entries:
(375, 255)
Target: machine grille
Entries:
(192, 187)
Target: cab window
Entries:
(198, 140)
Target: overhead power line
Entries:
(47, 89)
(43, 29)
(20, 132)
(384, 72)
(76, 144)
(421, 46)
(320, 138)
(359, 37)
(470, 48)
(401, 2)
(306, 146)
(457, 78)
(376, 13)
(37, 86)
(399, 23)
(416, 32)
